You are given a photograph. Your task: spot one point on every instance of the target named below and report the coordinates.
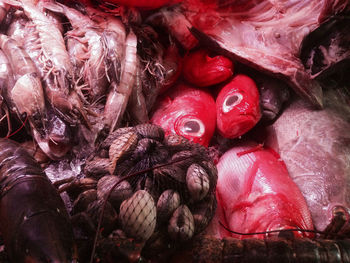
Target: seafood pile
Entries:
(191, 131)
(158, 190)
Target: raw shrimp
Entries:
(85, 31)
(6, 80)
(26, 97)
(26, 94)
(17, 29)
(3, 10)
(119, 94)
(55, 66)
(137, 104)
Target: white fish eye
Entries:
(192, 127)
(231, 101)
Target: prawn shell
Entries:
(181, 224)
(138, 215)
(28, 94)
(122, 146)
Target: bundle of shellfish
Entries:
(154, 189)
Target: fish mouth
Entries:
(238, 127)
(269, 111)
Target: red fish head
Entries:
(188, 112)
(203, 70)
(237, 107)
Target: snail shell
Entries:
(138, 215)
(181, 224)
(197, 180)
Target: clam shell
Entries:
(203, 212)
(138, 215)
(197, 180)
(114, 135)
(168, 201)
(121, 192)
(84, 199)
(97, 166)
(181, 224)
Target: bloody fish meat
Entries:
(256, 194)
(237, 107)
(188, 112)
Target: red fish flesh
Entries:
(203, 70)
(237, 107)
(256, 194)
(187, 111)
(264, 34)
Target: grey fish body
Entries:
(315, 147)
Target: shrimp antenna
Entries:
(111, 190)
(19, 129)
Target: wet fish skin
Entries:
(315, 145)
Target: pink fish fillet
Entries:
(255, 194)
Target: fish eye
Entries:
(191, 126)
(231, 101)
